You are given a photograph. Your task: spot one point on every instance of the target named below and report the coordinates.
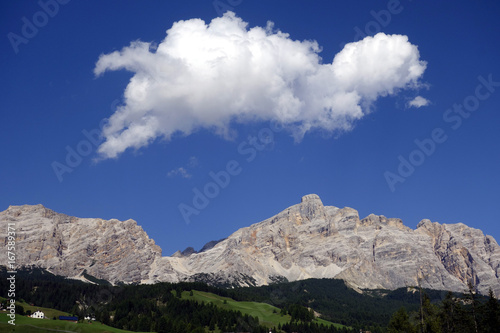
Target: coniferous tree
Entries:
(400, 322)
(473, 299)
(491, 314)
(449, 312)
(19, 310)
(432, 322)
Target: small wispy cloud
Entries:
(181, 172)
(418, 102)
(193, 162)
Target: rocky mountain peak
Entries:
(188, 251)
(311, 197)
(306, 240)
(380, 221)
(425, 223)
(210, 245)
(310, 208)
(67, 245)
(26, 209)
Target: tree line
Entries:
(454, 314)
(160, 308)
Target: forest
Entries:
(161, 307)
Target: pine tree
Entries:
(491, 311)
(432, 322)
(400, 322)
(448, 313)
(472, 296)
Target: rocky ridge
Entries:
(307, 240)
(68, 246)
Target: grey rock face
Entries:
(210, 245)
(65, 245)
(307, 240)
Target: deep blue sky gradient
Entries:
(49, 95)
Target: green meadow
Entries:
(268, 315)
(31, 325)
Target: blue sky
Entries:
(59, 79)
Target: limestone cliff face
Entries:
(307, 240)
(310, 240)
(65, 245)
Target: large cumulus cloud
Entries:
(211, 75)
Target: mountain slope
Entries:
(307, 240)
(67, 246)
(268, 315)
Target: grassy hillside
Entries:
(335, 301)
(49, 313)
(268, 315)
(31, 325)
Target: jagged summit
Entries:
(26, 208)
(311, 197)
(190, 250)
(306, 240)
(68, 245)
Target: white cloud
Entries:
(211, 75)
(418, 101)
(179, 172)
(183, 171)
(193, 162)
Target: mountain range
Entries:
(306, 240)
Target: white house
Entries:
(38, 314)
